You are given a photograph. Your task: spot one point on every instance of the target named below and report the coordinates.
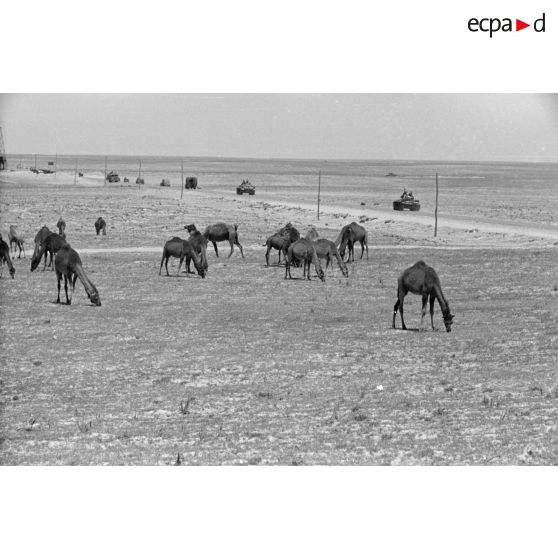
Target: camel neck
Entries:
(89, 287)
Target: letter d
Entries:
(536, 24)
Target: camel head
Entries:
(190, 228)
(448, 321)
(345, 271)
(95, 298)
(321, 274)
(34, 263)
(12, 271)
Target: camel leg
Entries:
(167, 265)
(215, 246)
(395, 308)
(161, 266)
(68, 300)
(104, 231)
(232, 248)
(58, 278)
(240, 246)
(424, 303)
(73, 282)
(279, 260)
(432, 299)
(180, 265)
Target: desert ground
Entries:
(247, 368)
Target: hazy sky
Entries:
(522, 127)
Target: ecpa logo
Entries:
(493, 25)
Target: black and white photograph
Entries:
(278, 279)
(333, 280)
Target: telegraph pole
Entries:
(436, 209)
(319, 190)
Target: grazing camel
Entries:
(50, 245)
(199, 244)
(422, 280)
(360, 235)
(221, 232)
(101, 225)
(348, 239)
(5, 257)
(303, 250)
(61, 227)
(281, 240)
(39, 238)
(179, 248)
(16, 241)
(326, 250)
(68, 264)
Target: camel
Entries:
(16, 241)
(422, 280)
(101, 225)
(221, 232)
(326, 249)
(348, 239)
(199, 244)
(360, 236)
(68, 264)
(61, 227)
(5, 257)
(39, 238)
(303, 250)
(50, 245)
(180, 248)
(281, 240)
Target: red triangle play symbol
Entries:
(519, 25)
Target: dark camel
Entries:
(221, 232)
(101, 225)
(281, 241)
(39, 238)
(50, 245)
(179, 248)
(326, 250)
(16, 241)
(360, 235)
(5, 257)
(422, 280)
(61, 227)
(348, 239)
(199, 244)
(68, 264)
(303, 250)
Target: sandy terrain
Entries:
(244, 367)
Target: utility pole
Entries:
(436, 209)
(319, 190)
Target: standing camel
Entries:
(39, 238)
(179, 248)
(5, 257)
(61, 227)
(68, 264)
(422, 280)
(101, 225)
(50, 245)
(303, 250)
(221, 232)
(16, 241)
(199, 244)
(281, 240)
(360, 235)
(326, 250)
